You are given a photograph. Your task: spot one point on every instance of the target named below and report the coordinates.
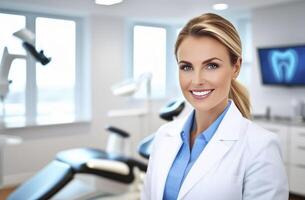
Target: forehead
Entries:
(202, 48)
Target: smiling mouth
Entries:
(201, 94)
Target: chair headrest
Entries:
(172, 109)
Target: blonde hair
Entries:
(215, 26)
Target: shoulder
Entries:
(259, 134)
(171, 128)
(259, 139)
(264, 161)
(166, 130)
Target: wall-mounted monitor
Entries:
(282, 65)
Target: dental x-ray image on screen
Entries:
(283, 65)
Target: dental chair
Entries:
(168, 113)
(57, 174)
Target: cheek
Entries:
(221, 79)
(223, 82)
(183, 80)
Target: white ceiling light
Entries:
(220, 6)
(107, 2)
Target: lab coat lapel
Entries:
(225, 136)
(170, 144)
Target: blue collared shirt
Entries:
(186, 156)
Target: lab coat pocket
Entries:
(227, 187)
(231, 186)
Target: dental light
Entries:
(25, 35)
(129, 87)
(126, 88)
(28, 39)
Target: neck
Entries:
(203, 119)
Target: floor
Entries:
(5, 192)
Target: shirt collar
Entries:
(208, 133)
(187, 127)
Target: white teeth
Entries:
(202, 93)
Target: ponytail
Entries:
(239, 94)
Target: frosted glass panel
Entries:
(15, 100)
(150, 56)
(56, 81)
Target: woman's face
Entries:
(205, 72)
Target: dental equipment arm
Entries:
(28, 39)
(5, 66)
(38, 56)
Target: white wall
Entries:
(277, 25)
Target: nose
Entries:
(198, 78)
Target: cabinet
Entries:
(292, 139)
(297, 160)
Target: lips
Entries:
(201, 94)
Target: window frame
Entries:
(170, 64)
(244, 28)
(81, 92)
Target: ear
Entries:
(236, 68)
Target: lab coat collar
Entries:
(225, 136)
(228, 127)
(170, 144)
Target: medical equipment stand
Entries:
(129, 88)
(5, 140)
(2, 114)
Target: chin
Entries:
(204, 105)
(203, 108)
(201, 105)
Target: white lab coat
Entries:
(241, 161)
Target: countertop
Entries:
(283, 120)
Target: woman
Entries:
(215, 153)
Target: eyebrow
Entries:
(204, 62)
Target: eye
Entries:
(186, 67)
(212, 66)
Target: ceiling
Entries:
(155, 9)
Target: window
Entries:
(15, 101)
(55, 82)
(244, 30)
(149, 55)
(153, 51)
(43, 94)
